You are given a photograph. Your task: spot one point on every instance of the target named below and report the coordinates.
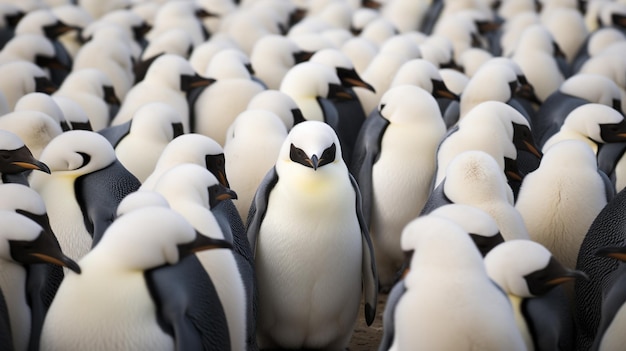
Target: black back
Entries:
(115, 134)
(551, 115)
(232, 226)
(608, 229)
(99, 193)
(188, 307)
(614, 298)
(549, 320)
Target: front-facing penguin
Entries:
(312, 248)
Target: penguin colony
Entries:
(256, 174)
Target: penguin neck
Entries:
(520, 320)
(13, 285)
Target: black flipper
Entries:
(258, 208)
(115, 134)
(365, 154)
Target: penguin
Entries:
(561, 198)
(206, 152)
(612, 312)
(11, 15)
(533, 280)
(578, 90)
(189, 148)
(426, 75)
(109, 50)
(173, 41)
(187, 16)
(168, 80)
(35, 128)
(42, 280)
(308, 172)
(273, 55)
(196, 321)
(313, 86)
(541, 59)
(192, 191)
(17, 159)
(480, 226)
(24, 243)
(395, 154)
(43, 103)
(166, 238)
(279, 103)
(253, 142)
(211, 114)
(138, 143)
(482, 316)
(75, 115)
(92, 89)
(21, 78)
(474, 178)
(32, 48)
(83, 189)
(592, 123)
(350, 111)
(43, 22)
(606, 230)
(497, 129)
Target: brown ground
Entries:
(367, 338)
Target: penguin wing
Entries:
(99, 193)
(368, 264)
(115, 134)
(549, 321)
(436, 199)
(613, 300)
(609, 155)
(258, 208)
(188, 307)
(364, 156)
(609, 186)
(6, 339)
(331, 116)
(389, 315)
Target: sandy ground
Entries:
(368, 338)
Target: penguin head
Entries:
(526, 268)
(139, 199)
(152, 236)
(158, 121)
(176, 73)
(598, 122)
(481, 226)
(78, 152)
(311, 144)
(15, 157)
(24, 241)
(409, 104)
(193, 182)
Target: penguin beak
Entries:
(350, 78)
(201, 243)
(140, 31)
(440, 90)
(613, 252)
(50, 62)
(57, 29)
(314, 161)
(82, 126)
(216, 164)
(24, 159)
(526, 91)
(202, 14)
(542, 281)
(109, 95)
(45, 85)
(218, 193)
(44, 249)
(188, 82)
(338, 92)
(302, 56)
(177, 129)
(510, 169)
(371, 4)
(613, 132)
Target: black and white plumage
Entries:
(308, 187)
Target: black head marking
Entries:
(299, 156)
